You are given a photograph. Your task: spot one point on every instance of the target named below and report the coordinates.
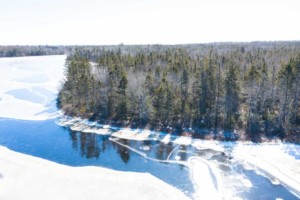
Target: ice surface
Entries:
(277, 160)
(28, 86)
(48, 180)
(27, 95)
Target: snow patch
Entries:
(205, 144)
(100, 131)
(130, 134)
(183, 140)
(166, 139)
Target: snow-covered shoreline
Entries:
(268, 157)
(26, 177)
(260, 156)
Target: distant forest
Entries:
(18, 51)
(251, 89)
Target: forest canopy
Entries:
(249, 88)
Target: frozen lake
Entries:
(29, 86)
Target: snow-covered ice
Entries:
(28, 86)
(26, 177)
(277, 160)
(207, 144)
(100, 131)
(183, 140)
(166, 139)
(206, 179)
(132, 134)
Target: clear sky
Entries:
(100, 22)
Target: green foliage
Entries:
(232, 90)
(214, 87)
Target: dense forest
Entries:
(252, 89)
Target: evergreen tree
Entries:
(232, 89)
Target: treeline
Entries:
(18, 51)
(253, 87)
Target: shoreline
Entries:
(242, 150)
(204, 134)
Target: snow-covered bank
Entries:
(78, 124)
(208, 144)
(29, 86)
(132, 134)
(25, 177)
(183, 140)
(277, 160)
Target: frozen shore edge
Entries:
(258, 156)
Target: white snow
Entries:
(206, 179)
(24, 177)
(132, 134)
(28, 86)
(78, 127)
(106, 126)
(166, 139)
(207, 144)
(183, 140)
(276, 160)
(99, 131)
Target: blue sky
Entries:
(146, 22)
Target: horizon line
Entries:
(161, 44)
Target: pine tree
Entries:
(252, 78)
(286, 77)
(232, 89)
